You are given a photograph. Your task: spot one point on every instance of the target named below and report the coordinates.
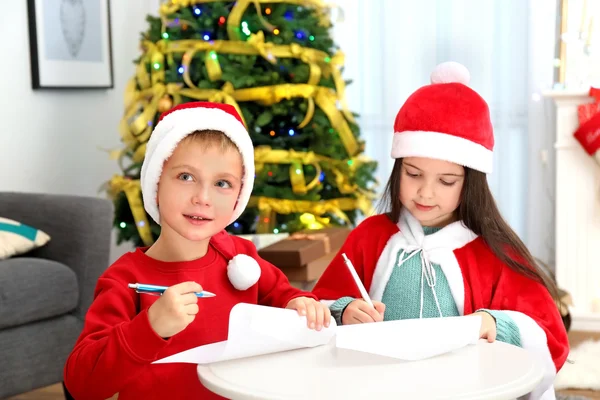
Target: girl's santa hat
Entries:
(181, 121)
(173, 126)
(446, 120)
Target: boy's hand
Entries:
(360, 312)
(317, 314)
(175, 309)
(488, 326)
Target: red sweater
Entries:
(117, 346)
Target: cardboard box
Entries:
(311, 271)
(302, 248)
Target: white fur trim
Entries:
(533, 339)
(450, 72)
(176, 126)
(442, 146)
(439, 247)
(385, 265)
(328, 303)
(243, 271)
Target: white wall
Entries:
(541, 166)
(51, 140)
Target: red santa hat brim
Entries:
(180, 123)
(442, 146)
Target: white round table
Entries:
(483, 371)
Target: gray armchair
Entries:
(45, 294)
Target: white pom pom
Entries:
(449, 72)
(243, 271)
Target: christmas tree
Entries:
(277, 64)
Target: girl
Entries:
(443, 249)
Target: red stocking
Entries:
(588, 134)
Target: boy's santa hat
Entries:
(181, 121)
(174, 125)
(446, 120)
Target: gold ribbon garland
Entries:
(133, 192)
(267, 155)
(319, 62)
(137, 123)
(325, 99)
(268, 205)
(213, 68)
(233, 30)
(297, 179)
(144, 92)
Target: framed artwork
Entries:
(70, 44)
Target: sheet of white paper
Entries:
(410, 339)
(289, 327)
(256, 330)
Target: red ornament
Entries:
(221, 20)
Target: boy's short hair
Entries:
(210, 138)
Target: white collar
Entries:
(450, 237)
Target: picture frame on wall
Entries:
(70, 44)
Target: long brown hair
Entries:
(478, 212)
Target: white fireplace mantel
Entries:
(577, 214)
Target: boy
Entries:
(196, 179)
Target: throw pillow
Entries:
(17, 238)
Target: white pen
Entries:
(357, 280)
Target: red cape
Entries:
(477, 280)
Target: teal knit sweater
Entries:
(402, 298)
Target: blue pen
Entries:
(159, 290)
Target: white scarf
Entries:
(439, 248)
(436, 248)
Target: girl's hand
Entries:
(360, 312)
(488, 326)
(317, 314)
(175, 310)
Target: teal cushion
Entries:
(17, 238)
